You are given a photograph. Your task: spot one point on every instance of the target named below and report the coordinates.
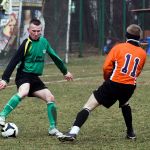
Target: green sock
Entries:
(11, 104)
(52, 114)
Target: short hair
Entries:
(35, 21)
(134, 29)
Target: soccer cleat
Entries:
(2, 121)
(67, 137)
(131, 135)
(54, 132)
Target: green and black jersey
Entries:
(31, 56)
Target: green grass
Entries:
(105, 128)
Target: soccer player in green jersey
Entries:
(30, 60)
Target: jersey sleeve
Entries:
(142, 63)
(17, 57)
(109, 64)
(57, 60)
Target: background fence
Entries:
(95, 21)
(93, 24)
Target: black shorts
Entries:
(109, 92)
(35, 82)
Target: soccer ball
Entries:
(9, 130)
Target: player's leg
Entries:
(127, 114)
(125, 94)
(47, 96)
(81, 118)
(101, 96)
(13, 102)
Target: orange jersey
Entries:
(124, 63)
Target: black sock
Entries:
(81, 117)
(127, 114)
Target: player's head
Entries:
(35, 29)
(134, 31)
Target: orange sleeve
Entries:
(109, 64)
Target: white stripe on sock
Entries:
(10, 106)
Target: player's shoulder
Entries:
(140, 50)
(117, 47)
(43, 39)
(120, 44)
(24, 42)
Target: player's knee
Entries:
(86, 109)
(92, 103)
(126, 107)
(22, 94)
(50, 98)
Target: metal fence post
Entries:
(81, 29)
(124, 18)
(101, 22)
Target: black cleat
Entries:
(67, 137)
(131, 135)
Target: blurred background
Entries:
(75, 28)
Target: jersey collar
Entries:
(133, 41)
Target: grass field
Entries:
(105, 128)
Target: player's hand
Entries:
(68, 76)
(3, 84)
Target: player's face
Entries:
(35, 31)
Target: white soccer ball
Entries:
(9, 130)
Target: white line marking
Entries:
(60, 81)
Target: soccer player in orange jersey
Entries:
(122, 66)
